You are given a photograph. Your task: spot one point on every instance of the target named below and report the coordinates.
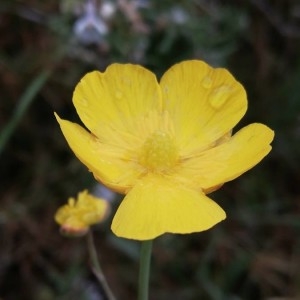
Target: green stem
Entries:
(145, 259)
(26, 99)
(97, 268)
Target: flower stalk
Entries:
(145, 259)
(97, 268)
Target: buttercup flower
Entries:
(78, 215)
(165, 145)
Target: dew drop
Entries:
(219, 96)
(223, 89)
(85, 116)
(126, 81)
(217, 101)
(207, 82)
(83, 102)
(118, 95)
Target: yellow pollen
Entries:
(159, 152)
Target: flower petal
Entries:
(113, 104)
(110, 166)
(156, 205)
(228, 160)
(205, 103)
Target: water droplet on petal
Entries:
(217, 101)
(219, 96)
(126, 81)
(86, 117)
(207, 82)
(118, 95)
(83, 102)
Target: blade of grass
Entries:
(26, 99)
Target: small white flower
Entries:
(90, 28)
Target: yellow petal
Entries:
(113, 104)
(156, 205)
(205, 103)
(228, 160)
(109, 164)
(91, 209)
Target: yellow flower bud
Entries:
(77, 216)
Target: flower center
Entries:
(159, 152)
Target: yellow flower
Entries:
(165, 145)
(76, 217)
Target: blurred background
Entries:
(46, 47)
